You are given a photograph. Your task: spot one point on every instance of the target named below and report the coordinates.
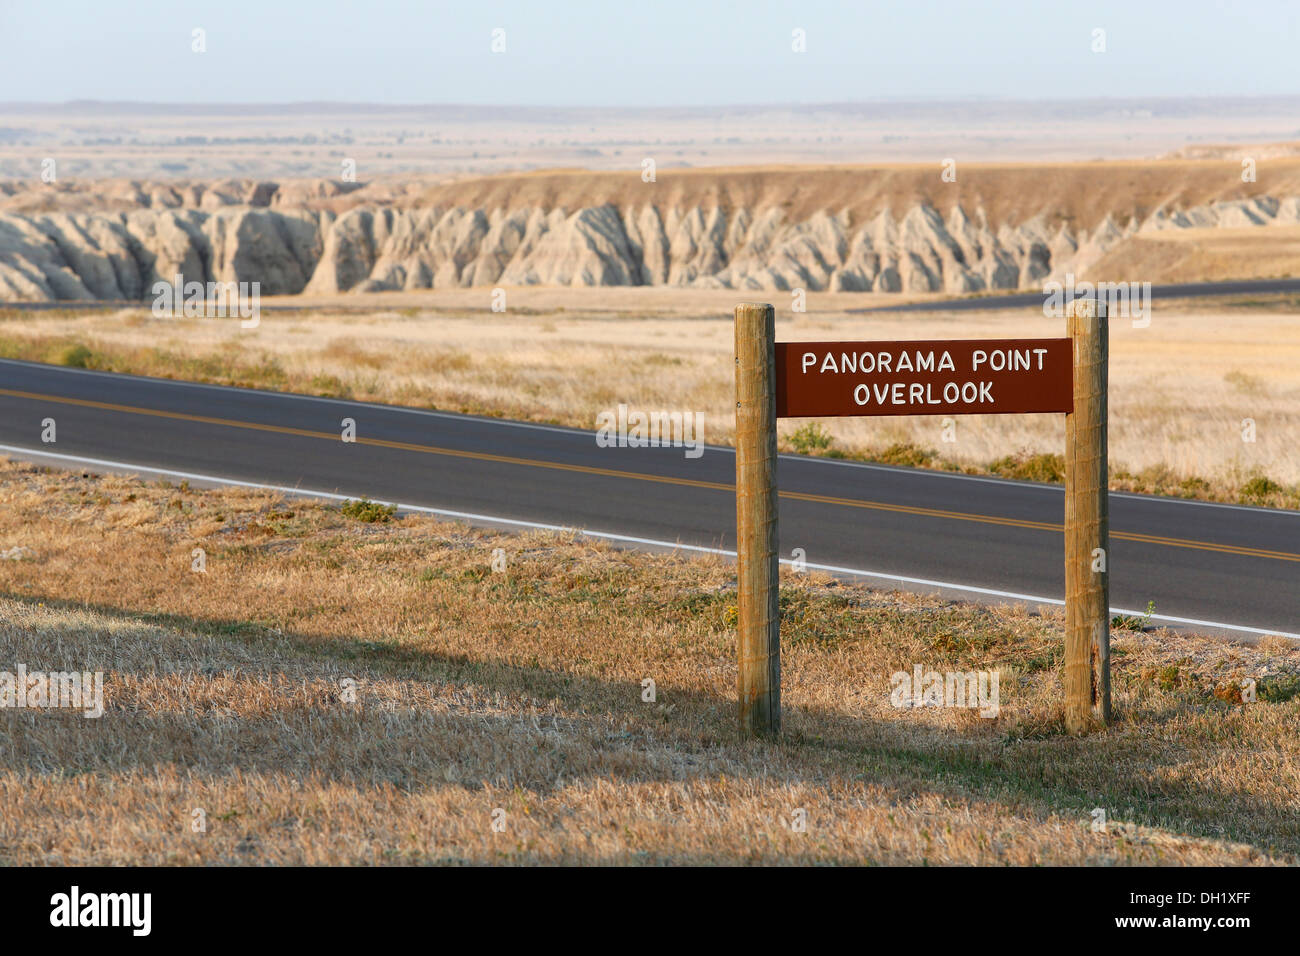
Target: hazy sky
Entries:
(624, 52)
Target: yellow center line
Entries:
(361, 440)
(639, 476)
(1041, 525)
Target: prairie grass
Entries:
(336, 691)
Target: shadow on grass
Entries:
(1132, 773)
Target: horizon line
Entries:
(787, 104)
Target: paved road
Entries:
(1182, 290)
(1215, 567)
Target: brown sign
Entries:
(966, 377)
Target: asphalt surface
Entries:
(1209, 567)
(1013, 300)
(1179, 290)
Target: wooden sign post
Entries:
(1087, 524)
(758, 647)
(963, 377)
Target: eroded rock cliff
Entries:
(869, 230)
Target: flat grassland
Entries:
(521, 691)
(279, 141)
(1184, 391)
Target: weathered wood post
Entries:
(758, 644)
(1087, 545)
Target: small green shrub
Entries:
(1278, 690)
(1259, 488)
(363, 509)
(1129, 622)
(1170, 677)
(810, 439)
(75, 356)
(329, 386)
(1045, 467)
(905, 454)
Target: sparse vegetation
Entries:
(810, 439)
(363, 509)
(1259, 489)
(1244, 382)
(907, 455)
(1280, 688)
(1029, 467)
(1129, 622)
(75, 356)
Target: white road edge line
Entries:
(723, 449)
(611, 536)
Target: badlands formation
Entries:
(882, 229)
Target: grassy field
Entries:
(1181, 389)
(1193, 255)
(517, 696)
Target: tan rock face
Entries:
(325, 237)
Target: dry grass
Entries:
(1180, 389)
(1195, 255)
(521, 691)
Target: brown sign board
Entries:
(959, 377)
